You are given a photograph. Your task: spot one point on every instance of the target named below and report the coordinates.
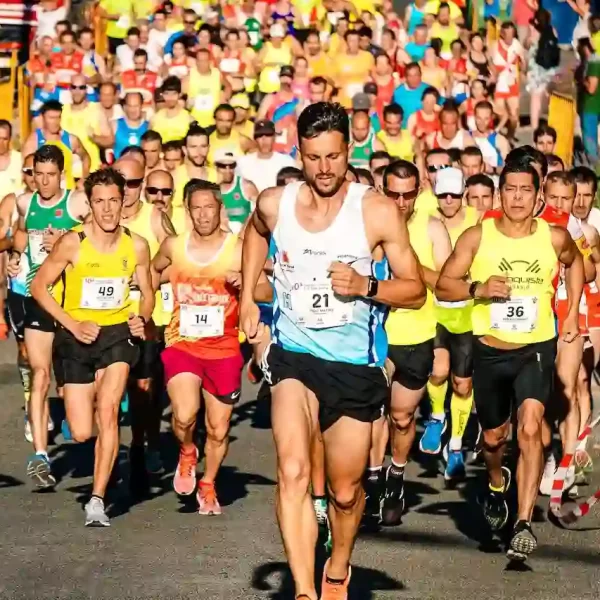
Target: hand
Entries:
(345, 281)
(137, 326)
(494, 287)
(12, 268)
(50, 238)
(234, 278)
(570, 330)
(86, 332)
(250, 322)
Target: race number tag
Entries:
(102, 293)
(201, 321)
(166, 295)
(204, 102)
(517, 315)
(317, 307)
(36, 247)
(229, 65)
(354, 88)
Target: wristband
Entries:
(373, 286)
(472, 288)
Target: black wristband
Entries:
(473, 287)
(373, 287)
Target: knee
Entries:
(462, 387)
(184, 417)
(440, 371)
(80, 433)
(216, 431)
(294, 475)
(41, 376)
(495, 438)
(529, 430)
(402, 420)
(345, 496)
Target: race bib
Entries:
(317, 307)
(36, 247)
(354, 88)
(166, 295)
(123, 22)
(203, 102)
(517, 315)
(230, 65)
(201, 321)
(102, 293)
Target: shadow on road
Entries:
(8, 481)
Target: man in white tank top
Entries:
(329, 344)
(450, 135)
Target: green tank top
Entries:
(361, 152)
(254, 33)
(238, 207)
(38, 219)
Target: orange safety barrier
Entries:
(562, 113)
(7, 88)
(24, 103)
(99, 25)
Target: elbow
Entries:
(418, 297)
(442, 293)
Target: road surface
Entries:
(162, 549)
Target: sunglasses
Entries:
(27, 171)
(79, 87)
(408, 196)
(221, 165)
(453, 196)
(134, 183)
(259, 135)
(153, 191)
(436, 168)
(189, 22)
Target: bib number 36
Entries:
(517, 315)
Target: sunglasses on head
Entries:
(134, 183)
(408, 196)
(79, 87)
(221, 165)
(153, 191)
(27, 171)
(436, 168)
(453, 196)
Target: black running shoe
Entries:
(522, 542)
(495, 509)
(392, 507)
(374, 483)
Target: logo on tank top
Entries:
(521, 282)
(236, 196)
(124, 264)
(58, 213)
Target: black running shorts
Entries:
(16, 314)
(503, 376)
(149, 359)
(37, 318)
(79, 362)
(413, 364)
(342, 389)
(460, 347)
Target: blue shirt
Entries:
(416, 51)
(410, 100)
(178, 34)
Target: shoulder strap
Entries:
(126, 231)
(81, 235)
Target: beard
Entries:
(327, 188)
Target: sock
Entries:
(319, 497)
(25, 374)
(494, 489)
(460, 411)
(374, 473)
(42, 453)
(437, 397)
(99, 497)
(396, 470)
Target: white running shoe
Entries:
(95, 515)
(548, 476)
(28, 433)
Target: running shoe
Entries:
(184, 480)
(66, 431)
(548, 475)
(522, 542)
(392, 507)
(583, 461)
(320, 505)
(28, 432)
(95, 515)
(40, 472)
(374, 484)
(335, 590)
(208, 503)
(431, 440)
(154, 463)
(455, 465)
(495, 509)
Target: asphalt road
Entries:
(161, 548)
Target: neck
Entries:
(264, 155)
(130, 211)
(226, 186)
(454, 220)
(217, 235)
(104, 240)
(192, 168)
(57, 196)
(515, 229)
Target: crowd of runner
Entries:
(328, 199)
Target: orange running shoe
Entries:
(184, 481)
(335, 591)
(208, 504)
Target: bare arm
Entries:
(105, 137)
(161, 262)
(162, 226)
(250, 190)
(30, 145)
(82, 153)
(442, 248)
(591, 84)
(142, 276)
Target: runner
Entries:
(544, 138)
(492, 144)
(481, 193)
(130, 129)
(397, 142)
(151, 144)
(410, 333)
(363, 139)
(471, 161)
(44, 215)
(224, 137)
(426, 120)
(309, 368)
(203, 350)
(96, 322)
(451, 134)
(515, 345)
(173, 121)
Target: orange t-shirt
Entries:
(205, 315)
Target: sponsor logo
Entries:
(235, 395)
(58, 213)
(527, 271)
(308, 251)
(284, 257)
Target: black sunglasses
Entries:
(134, 183)
(453, 196)
(436, 168)
(79, 87)
(221, 165)
(153, 191)
(27, 171)
(408, 196)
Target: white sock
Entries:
(439, 416)
(455, 444)
(42, 453)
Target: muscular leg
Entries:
(403, 427)
(218, 417)
(294, 420)
(184, 392)
(347, 444)
(494, 442)
(317, 465)
(79, 409)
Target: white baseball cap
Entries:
(449, 181)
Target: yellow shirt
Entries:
(321, 66)
(398, 148)
(181, 177)
(447, 34)
(11, 178)
(206, 92)
(268, 81)
(171, 128)
(246, 129)
(530, 265)
(118, 29)
(232, 144)
(433, 8)
(427, 202)
(79, 123)
(351, 73)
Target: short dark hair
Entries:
(201, 185)
(528, 154)
(360, 172)
(484, 104)
(50, 106)
(351, 32)
(140, 52)
(366, 31)
(289, 173)
(151, 136)
(49, 153)
(85, 30)
(65, 23)
(472, 151)
(443, 5)
(226, 107)
(4, 124)
(108, 176)
(172, 145)
(436, 152)
(323, 117)
(520, 167)
(431, 91)
(554, 159)
(171, 84)
(412, 65)
(585, 175)
(564, 177)
(450, 107)
(195, 131)
(318, 80)
(481, 179)
(403, 170)
(379, 155)
(133, 31)
(65, 34)
(544, 129)
(393, 109)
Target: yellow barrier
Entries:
(561, 115)
(101, 39)
(24, 103)
(7, 89)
